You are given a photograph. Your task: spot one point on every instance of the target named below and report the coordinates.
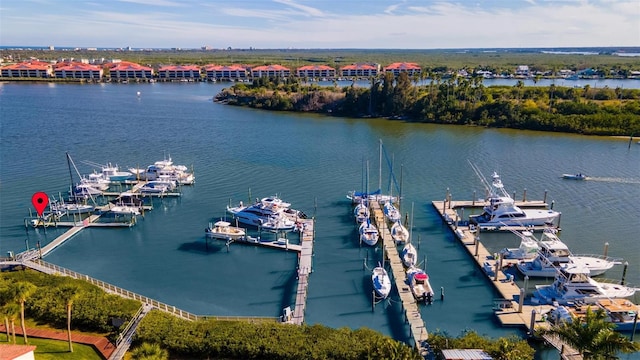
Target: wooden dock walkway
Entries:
(307, 237)
(410, 306)
(510, 309)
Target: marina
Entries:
(170, 240)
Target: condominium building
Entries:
(399, 67)
(127, 70)
(360, 70)
(226, 72)
(316, 71)
(78, 71)
(179, 72)
(32, 69)
(270, 71)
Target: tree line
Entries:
(453, 100)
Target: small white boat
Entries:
(165, 169)
(124, 209)
(573, 283)
(381, 282)
(361, 212)
(157, 187)
(270, 213)
(277, 223)
(619, 312)
(578, 176)
(114, 174)
(358, 197)
(391, 211)
(400, 233)
(409, 255)
(223, 230)
(368, 233)
(418, 281)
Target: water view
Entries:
(311, 161)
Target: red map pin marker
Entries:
(40, 201)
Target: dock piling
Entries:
(606, 249)
(624, 272)
(441, 293)
(532, 322)
(521, 301)
(524, 195)
(526, 282)
(544, 200)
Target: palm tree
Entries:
(20, 292)
(69, 293)
(593, 336)
(148, 351)
(10, 312)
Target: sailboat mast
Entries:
(70, 173)
(380, 167)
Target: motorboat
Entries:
(501, 210)
(409, 255)
(391, 211)
(124, 209)
(157, 187)
(554, 253)
(361, 212)
(223, 230)
(418, 281)
(528, 249)
(399, 233)
(270, 213)
(163, 170)
(368, 233)
(573, 283)
(620, 312)
(127, 204)
(86, 190)
(96, 181)
(381, 282)
(113, 173)
(578, 176)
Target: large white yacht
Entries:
(501, 210)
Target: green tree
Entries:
(593, 336)
(20, 292)
(69, 293)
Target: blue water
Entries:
(310, 161)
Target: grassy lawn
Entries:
(55, 349)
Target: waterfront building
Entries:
(226, 72)
(522, 70)
(400, 67)
(127, 70)
(78, 71)
(316, 71)
(32, 69)
(270, 71)
(360, 70)
(179, 72)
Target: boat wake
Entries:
(615, 180)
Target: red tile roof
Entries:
(10, 352)
(233, 67)
(270, 68)
(179, 68)
(78, 67)
(129, 66)
(33, 65)
(360, 67)
(315, 67)
(403, 66)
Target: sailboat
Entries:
(381, 281)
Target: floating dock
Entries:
(510, 309)
(410, 306)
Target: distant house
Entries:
(226, 72)
(32, 69)
(316, 71)
(179, 72)
(78, 71)
(360, 70)
(17, 352)
(523, 70)
(270, 71)
(465, 354)
(400, 67)
(127, 70)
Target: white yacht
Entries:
(501, 210)
(361, 212)
(554, 253)
(573, 283)
(165, 169)
(528, 249)
(259, 215)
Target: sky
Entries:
(320, 24)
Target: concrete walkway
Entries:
(100, 343)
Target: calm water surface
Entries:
(310, 161)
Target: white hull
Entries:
(409, 255)
(381, 282)
(368, 233)
(399, 233)
(224, 231)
